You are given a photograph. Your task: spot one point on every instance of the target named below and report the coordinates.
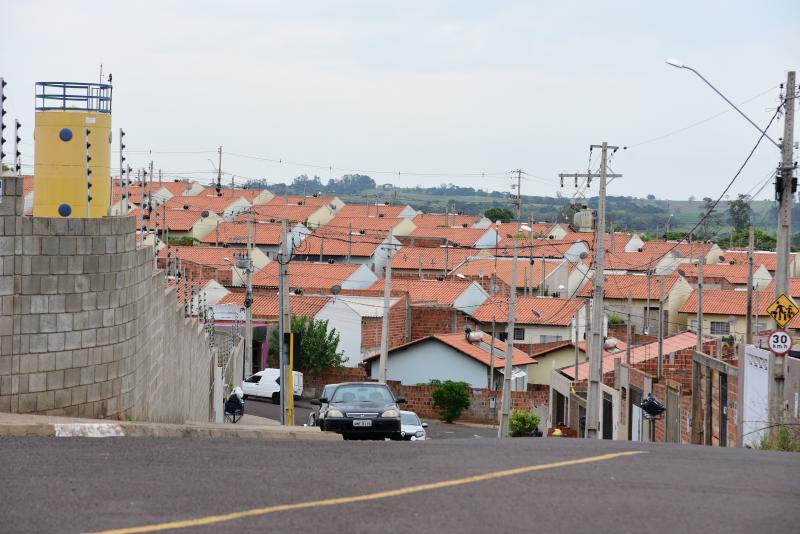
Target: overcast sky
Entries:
(437, 91)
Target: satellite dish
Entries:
(722, 258)
(583, 255)
(682, 272)
(204, 214)
(335, 290)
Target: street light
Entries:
(680, 65)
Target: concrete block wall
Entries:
(88, 327)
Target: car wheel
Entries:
(276, 398)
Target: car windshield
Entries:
(353, 393)
(409, 419)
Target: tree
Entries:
(498, 214)
(651, 197)
(739, 212)
(318, 345)
(711, 220)
(450, 399)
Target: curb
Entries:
(159, 430)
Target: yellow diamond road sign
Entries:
(782, 310)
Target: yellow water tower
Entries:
(72, 163)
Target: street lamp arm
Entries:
(731, 104)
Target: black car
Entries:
(359, 410)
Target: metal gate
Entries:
(673, 416)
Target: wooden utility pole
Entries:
(386, 305)
(502, 431)
(593, 398)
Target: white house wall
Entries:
(428, 360)
(348, 325)
(487, 240)
(471, 298)
(362, 278)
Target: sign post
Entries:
(782, 310)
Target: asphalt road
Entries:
(436, 429)
(86, 485)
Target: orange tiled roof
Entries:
(794, 287)
(434, 220)
(735, 274)
(473, 267)
(551, 311)
(27, 184)
(177, 220)
(727, 302)
(235, 232)
(340, 226)
(479, 351)
(176, 188)
(617, 286)
(356, 246)
(620, 239)
(210, 256)
(308, 200)
(631, 261)
(640, 354)
(265, 306)
(306, 274)
(443, 292)
(681, 250)
(370, 210)
(766, 258)
(540, 229)
(464, 237)
(247, 194)
(134, 191)
(279, 212)
(431, 258)
(202, 202)
(549, 248)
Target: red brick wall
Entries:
(332, 376)
(204, 272)
(371, 328)
(426, 321)
(418, 399)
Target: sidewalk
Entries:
(251, 426)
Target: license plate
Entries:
(362, 422)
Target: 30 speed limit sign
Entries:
(780, 342)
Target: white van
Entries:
(266, 384)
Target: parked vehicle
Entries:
(411, 428)
(327, 393)
(267, 384)
(359, 410)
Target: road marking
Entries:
(209, 520)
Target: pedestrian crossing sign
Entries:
(782, 310)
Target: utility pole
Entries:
(219, 173)
(748, 336)
(387, 283)
(517, 201)
(577, 343)
(491, 356)
(248, 302)
(628, 329)
(284, 322)
(502, 431)
(660, 362)
(786, 186)
(697, 423)
(593, 399)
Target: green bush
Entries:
(450, 399)
(522, 423)
(785, 440)
(616, 319)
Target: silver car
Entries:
(411, 428)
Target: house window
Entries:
(720, 328)
(519, 334)
(549, 339)
(693, 325)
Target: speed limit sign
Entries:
(780, 342)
